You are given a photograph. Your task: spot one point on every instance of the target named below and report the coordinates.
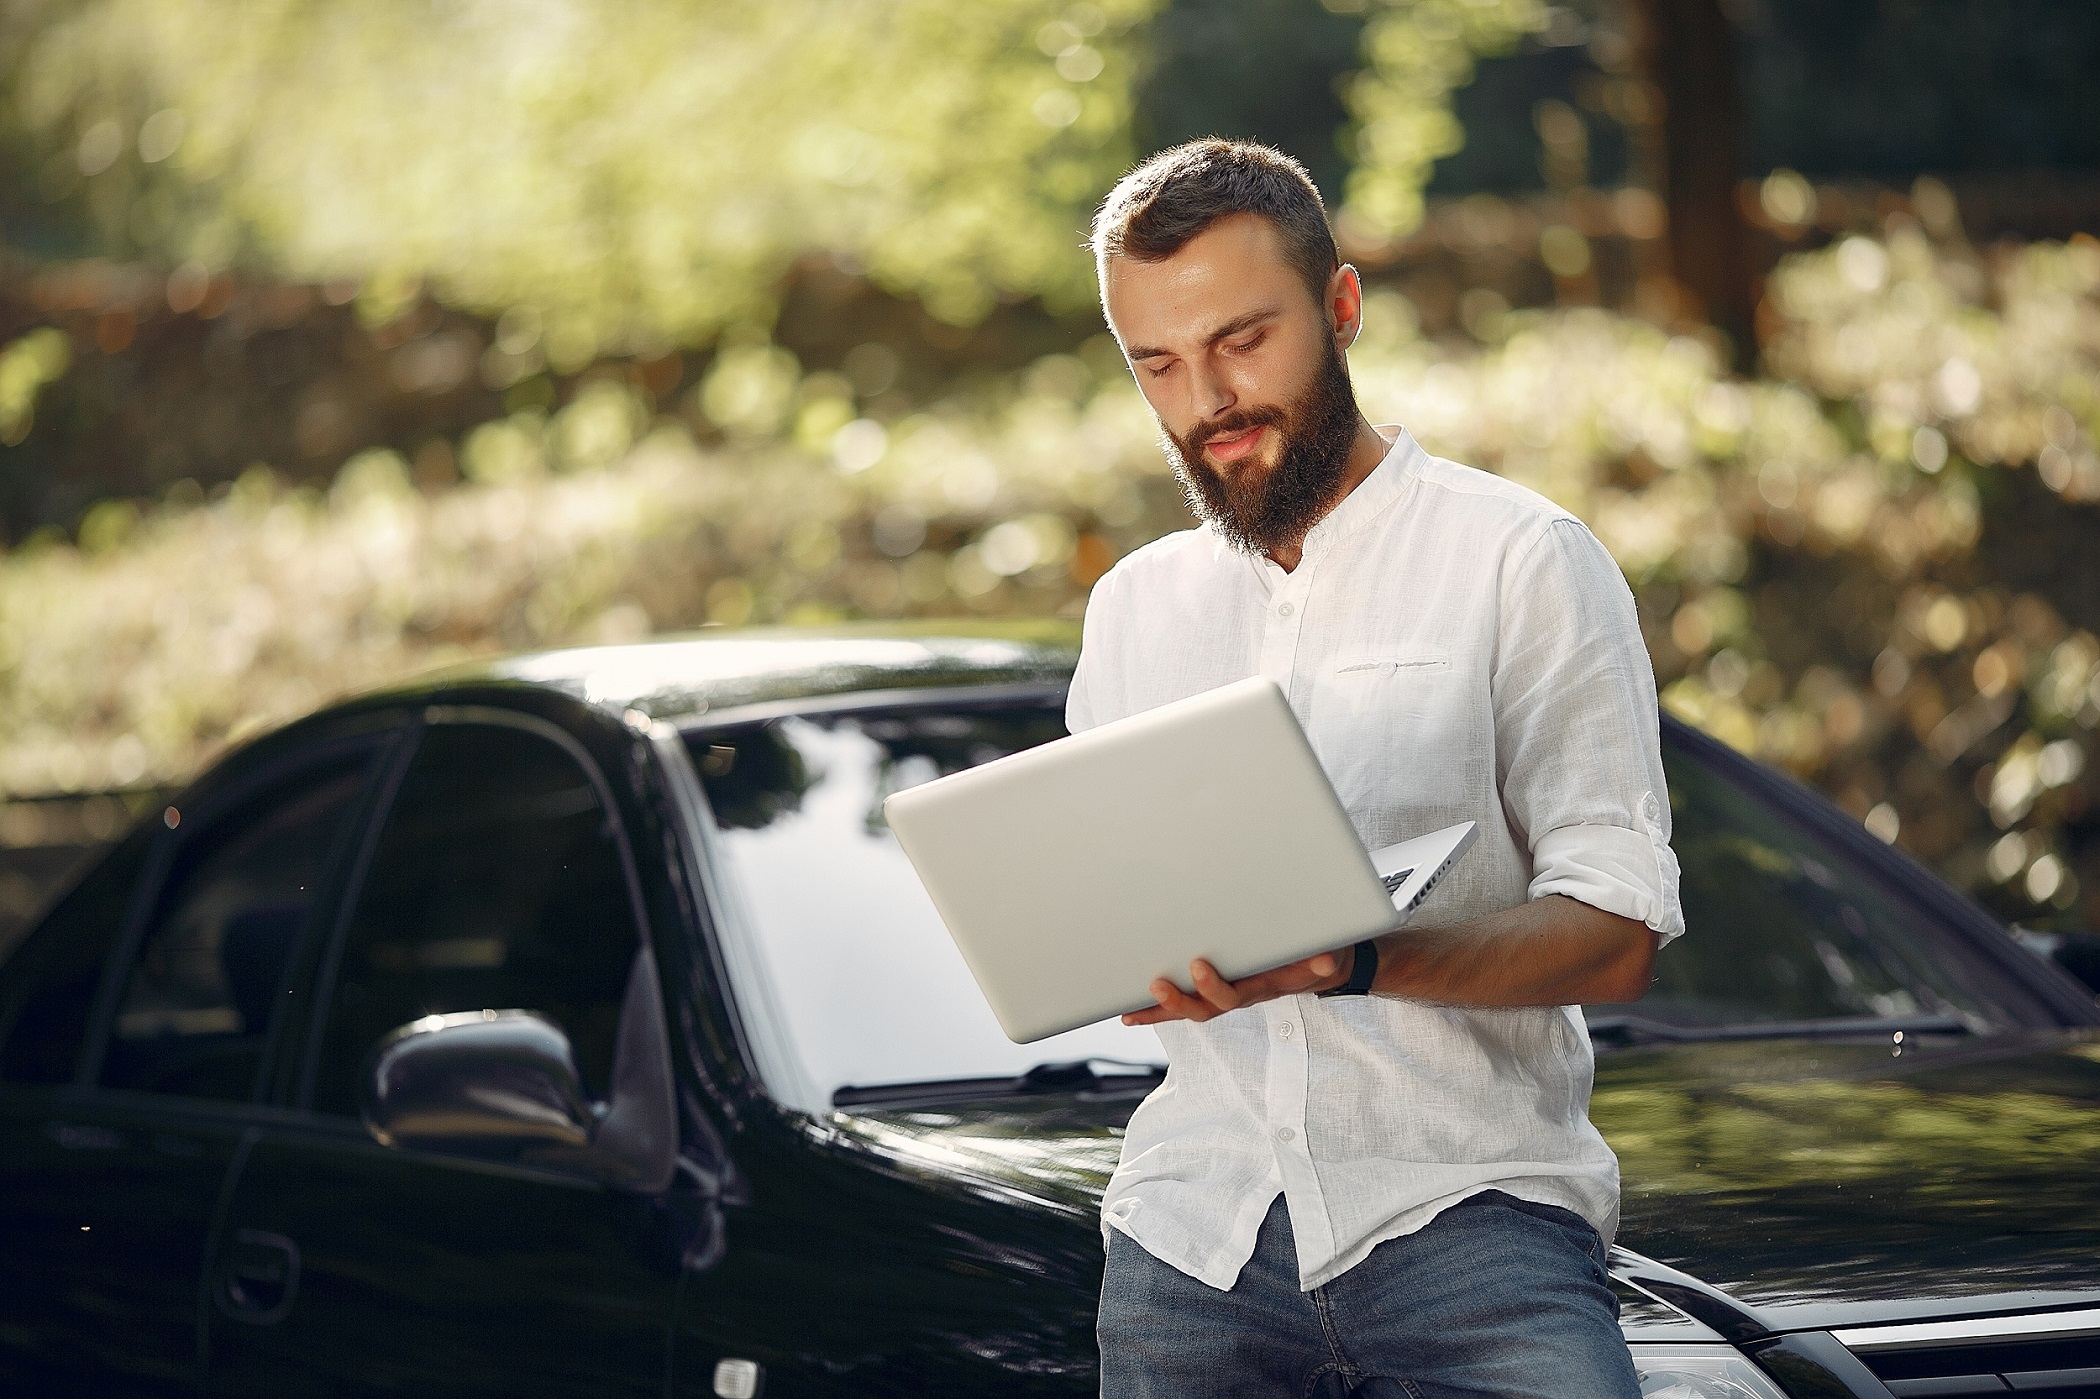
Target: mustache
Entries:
(1232, 425)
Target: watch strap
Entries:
(1362, 972)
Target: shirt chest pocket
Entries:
(1405, 735)
(1379, 689)
(1379, 667)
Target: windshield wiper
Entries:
(1626, 1031)
(1070, 1076)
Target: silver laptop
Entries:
(1073, 874)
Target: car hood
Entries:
(1829, 1184)
(1821, 1183)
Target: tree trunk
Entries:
(1688, 54)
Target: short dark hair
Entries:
(1155, 210)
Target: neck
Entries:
(1365, 453)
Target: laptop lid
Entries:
(1072, 874)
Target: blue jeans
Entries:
(1497, 1298)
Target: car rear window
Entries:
(1780, 927)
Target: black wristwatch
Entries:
(1361, 974)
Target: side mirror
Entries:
(483, 1082)
(503, 1084)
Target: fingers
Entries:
(1174, 1004)
(1221, 994)
(1215, 995)
(1309, 975)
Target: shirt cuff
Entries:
(1632, 873)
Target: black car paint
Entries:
(954, 1251)
(1940, 1208)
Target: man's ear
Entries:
(1345, 305)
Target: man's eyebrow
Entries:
(1224, 332)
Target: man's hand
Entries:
(1553, 951)
(1215, 995)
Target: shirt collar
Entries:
(1369, 500)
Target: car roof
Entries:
(682, 677)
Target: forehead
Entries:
(1235, 266)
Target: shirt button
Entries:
(1284, 1134)
(1285, 610)
(1286, 1029)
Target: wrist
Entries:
(1362, 972)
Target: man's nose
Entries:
(1212, 395)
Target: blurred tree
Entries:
(636, 173)
(1688, 55)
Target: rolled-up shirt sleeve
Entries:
(1577, 735)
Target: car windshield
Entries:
(857, 964)
(1783, 935)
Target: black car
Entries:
(573, 1026)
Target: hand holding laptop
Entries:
(1214, 995)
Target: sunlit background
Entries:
(340, 339)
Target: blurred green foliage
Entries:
(1417, 53)
(38, 358)
(433, 330)
(635, 173)
(639, 176)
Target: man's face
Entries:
(1242, 368)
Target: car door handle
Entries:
(260, 1277)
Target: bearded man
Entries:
(1371, 1172)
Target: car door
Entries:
(499, 879)
(113, 1179)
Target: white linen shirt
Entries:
(1457, 648)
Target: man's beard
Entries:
(1258, 513)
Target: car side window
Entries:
(497, 884)
(47, 989)
(205, 983)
